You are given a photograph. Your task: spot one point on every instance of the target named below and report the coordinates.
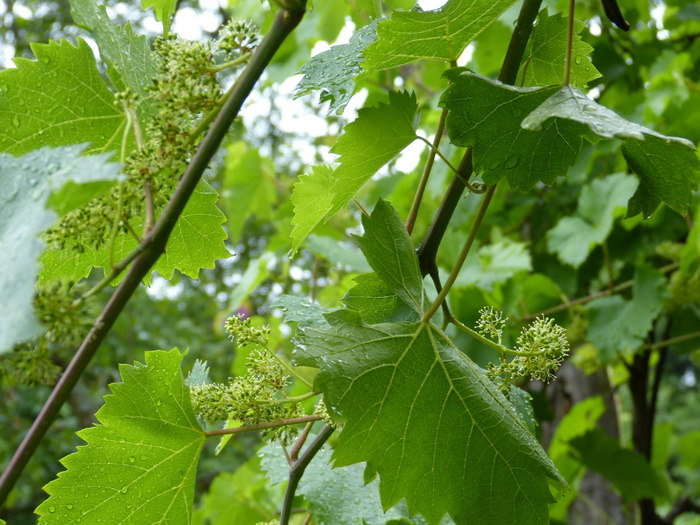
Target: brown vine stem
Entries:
(263, 426)
(569, 42)
(297, 471)
(481, 213)
(154, 244)
(413, 214)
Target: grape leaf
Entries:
(333, 72)
(457, 447)
(196, 242)
(442, 34)
(487, 115)
(546, 63)
(667, 166)
(57, 100)
(376, 302)
(495, 263)
(600, 203)
(164, 10)
(377, 135)
(301, 310)
(132, 63)
(628, 470)
(338, 496)
(26, 184)
(619, 326)
(139, 464)
(249, 187)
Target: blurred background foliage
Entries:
(651, 75)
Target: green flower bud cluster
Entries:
(66, 317)
(248, 399)
(245, 333)
(29, 365)
(683, 289)
(540, 349)
(238, 36)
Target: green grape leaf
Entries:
(600, 203)
(312, 198)
(442, 34)
(301, 310)
(376, 303)
(336, 253)
(249, 187)
(667, 167)
(478, 449)
(628, 470)
(27, 183)
(377, 135)
(132, 63)
(338, 496)
(495, 263)
(333, 72)
(197, 242)
(546, 63)
(164, 10)
(57, 100)
(256, 273)
(487, 114)
(619, 326)
(139, 464)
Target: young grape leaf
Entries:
(600, 203)
(546, 63)
(617, 325)
(333, 72)
(376, 302)
(667, 167)
(442, 34)
(377, 135)
(164, 10)
(301, 310)
(487, 115)
(25, 189)
(139, 464)
(57, 100)
(457, 446)
(132, 63)
(197, 242)
(338, 496)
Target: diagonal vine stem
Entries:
(154, 243)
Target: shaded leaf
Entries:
(26, 185)
(57, 100)
(487, 114)
(628, 470)
(667, 166)
(600, 203)
(164, 10)
(301, 310)
(139, 464)
(312, 198)
(616, 325)
(333, 72)
(442, 34)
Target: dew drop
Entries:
(495, 164)
(52, 509)
(132, 459)
(124, 490)
(512, 162)
(69, 507)
(15, 121)
(45, 59)
(578, 60)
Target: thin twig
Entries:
(263, 426)
(297, 471)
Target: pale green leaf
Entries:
(302, 311)
(600, 203)
(196, 242)
(312, 198)
(57, 100)
(139, 464)
(376, 302)
(545, 65)
(377, 135)
(26, 184)
(442, 34)
(132, 63)
(667, 167)
(619, 326)
(367, 374)
(256, 273)
(164, 10)
(333, 72)
(495, 263)
(338, 254)
(487, 114)
(249, 187)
